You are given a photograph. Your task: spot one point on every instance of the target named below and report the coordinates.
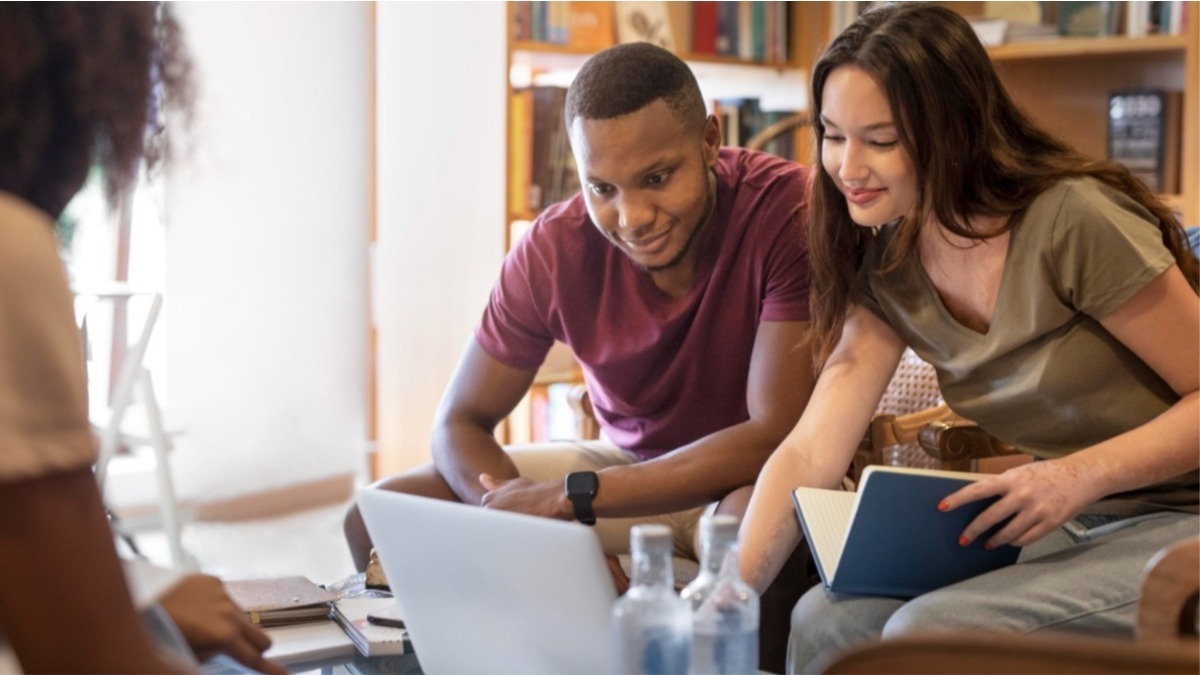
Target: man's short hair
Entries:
(626, 78)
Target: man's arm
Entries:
(481, 393)
(779, 384)
(64, 604)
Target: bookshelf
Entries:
(1065, 83)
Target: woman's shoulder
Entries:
(27, 239)
(1083, 193)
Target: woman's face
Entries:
(862, 150)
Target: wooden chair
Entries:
(913, 427)
(1166, 642)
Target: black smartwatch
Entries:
(581, 488)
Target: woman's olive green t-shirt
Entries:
(1047, 377)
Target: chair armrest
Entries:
(586, 425)
(959, 441)
(1170, 592)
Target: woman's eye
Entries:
(599, 189)
(833, 138)
(657, 179)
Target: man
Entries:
(679, 280)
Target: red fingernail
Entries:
(943, 506)
(963, 541)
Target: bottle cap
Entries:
(650, 538)
(719, 528)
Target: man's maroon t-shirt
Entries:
(662, 372)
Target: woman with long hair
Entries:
(1054, 294)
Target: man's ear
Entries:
(712, 139)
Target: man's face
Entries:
(647, 182)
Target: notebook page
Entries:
(826, 516)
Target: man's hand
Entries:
(620, 581)
(522, 495)
(212, 624)
(1035, 499)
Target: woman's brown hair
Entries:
(974, 151)
(81, 85)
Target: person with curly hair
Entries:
(1054, 294)
(80, 84)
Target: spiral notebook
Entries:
(280, 601)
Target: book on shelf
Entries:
(590, 25)
(1153, 17)
(371, 639)
(1089, 18)
(552, 176)
(992, 32)
(520, 135)
(727, 28)
(742, 119)
(645, 22)
(890, 539)
(704, 27)
(281, 601)
(1144, 130)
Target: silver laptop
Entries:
(485, 591)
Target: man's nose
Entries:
(634, 213)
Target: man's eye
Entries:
(599, 189)
(657, 179)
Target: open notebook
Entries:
(890, 539)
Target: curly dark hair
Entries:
(975, 151)
(625, 78)
(81, 85)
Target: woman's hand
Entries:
(1035, 499)
(212, 624)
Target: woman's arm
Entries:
(64, 604)
(821, 445)
(1161, 325)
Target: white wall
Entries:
(441, 79)
(267, 226)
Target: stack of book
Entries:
(361, 619)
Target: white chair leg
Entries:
(168, 504)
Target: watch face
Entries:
(582, 483)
